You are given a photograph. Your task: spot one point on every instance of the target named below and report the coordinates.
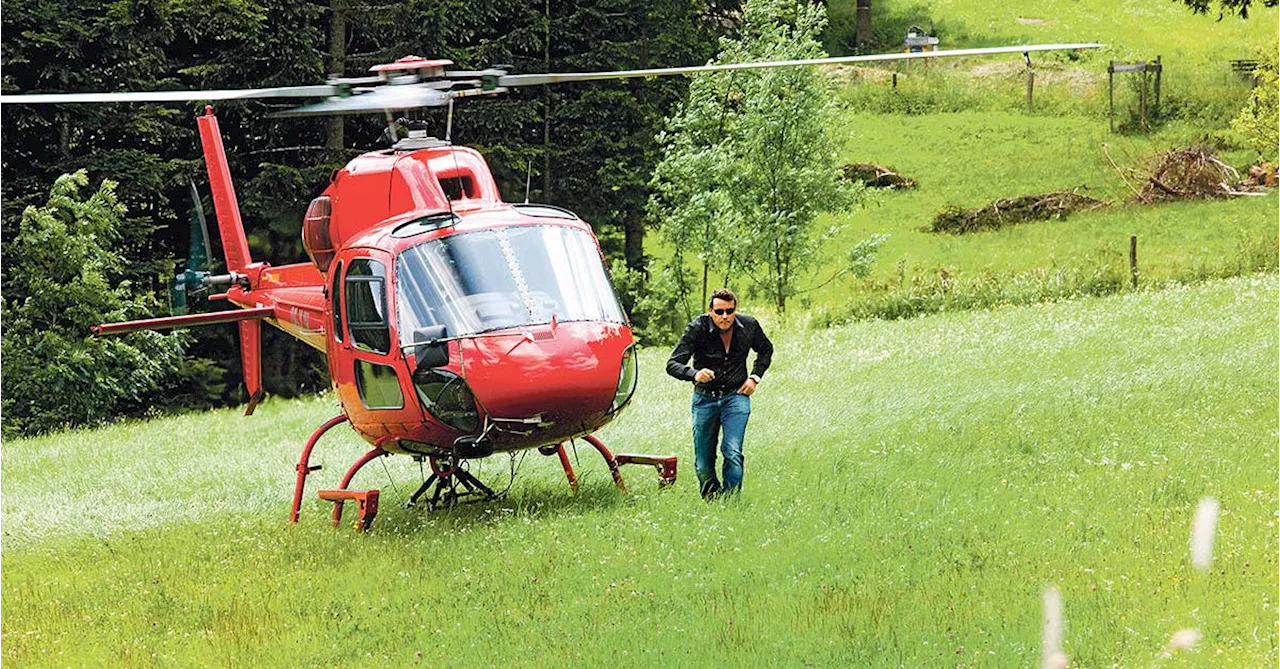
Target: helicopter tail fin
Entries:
(234, 244)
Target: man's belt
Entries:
(713, 393)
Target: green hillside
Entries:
(911, 487)
(962, 128)
(1133, 27)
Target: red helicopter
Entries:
(455, 325)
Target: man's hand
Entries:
(704, 375)
(747, 388)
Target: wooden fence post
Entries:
(1111, 96)
(1142, 101)
(1133, 259)
(1159, 71)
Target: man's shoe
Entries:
(710, 489)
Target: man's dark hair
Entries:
(721, 294)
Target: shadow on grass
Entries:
(536, 501)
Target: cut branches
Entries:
(1186, 174)
(876, 176)
(1011, 211)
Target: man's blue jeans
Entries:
(712, 416)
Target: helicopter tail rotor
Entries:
(193, 278)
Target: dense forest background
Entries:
(589, 147)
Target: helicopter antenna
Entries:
(448, 126)
(528, 176)
(456, 168)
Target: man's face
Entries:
(722, 313)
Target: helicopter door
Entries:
(367, 366)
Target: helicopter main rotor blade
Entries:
(391, 98)
(512, 80)
(173, 96)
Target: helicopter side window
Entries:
(367, 321)
(337, 304)
(459, 187)
(378, 385)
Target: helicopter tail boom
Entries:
(184, 321)
(234, 244)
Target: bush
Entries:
(1255, 126)
(658, 313)
(57, 282)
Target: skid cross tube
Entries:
(608, 459)
(304, 464)
(568, 468)
(664, 464)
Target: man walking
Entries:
(718, 342)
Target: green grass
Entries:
(911, 487)
(962, 128)
(971, 158)
(1130, 28)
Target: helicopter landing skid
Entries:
(665, 464)
(443, 484)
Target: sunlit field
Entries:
(963, 129)
(911, 487)
(971, 158)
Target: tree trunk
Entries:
(634, 241)
(706, 270)
(546, 107)
(633, 222)
(64, 138)
(781, 280)
(337, 67)
(862, 33)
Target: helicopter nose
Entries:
(566, 375)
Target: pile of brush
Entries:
(1014, 210)
(1189, 173)
(876, 176)
(1262, 175)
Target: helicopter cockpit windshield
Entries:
(475, 282)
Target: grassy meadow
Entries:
(962, 128)
(1131, 28)
(911, 487)
(971, 158)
